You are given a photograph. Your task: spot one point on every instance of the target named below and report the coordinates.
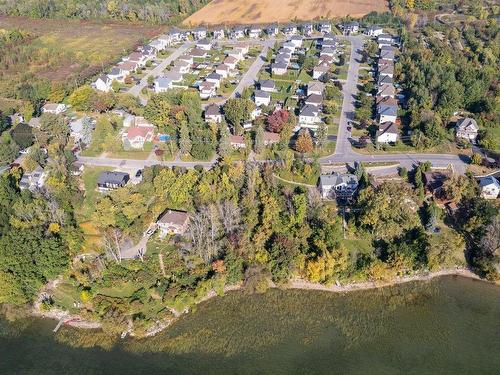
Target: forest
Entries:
(151, 11)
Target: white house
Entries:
(387, 113)
(231, 62)
(325, 27)
(214, 78)
(314, 100)
(278, 68)
(262, 98)
(223, 70)
(162, 84)
(103, 83)
(319, 71)
(490, 188)
(116, 74)
(34, 180)
(308, 116)
(338, 185)
(386, 90)
(272, 30)
(387, 133)
(296, 40)
(182, 67)
(315, 87)
(290, 29)
(254, 32)
(213, 114)
(351, 28)
(374, 30)
(237, 141)
(219, 33)
(200, 33)
(328, 51)
(385, 40)
(238, 32)
(186, 58)
(207, 90)
(135, 137)
(173, 222)
(55, 108)
(467, 128)
(204, 44)
(307, 28)
(236, 54)
(267, 85)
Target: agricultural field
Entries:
(263, 11)
(63, 50)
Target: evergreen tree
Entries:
(259, 140)
(184, 140)
(224, 144)
(322, 135)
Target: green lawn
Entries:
(65, 295)
(89, 177)
(123, 290)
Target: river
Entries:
(449, 325)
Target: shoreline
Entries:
(77, 321)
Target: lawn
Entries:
(89, 177)
(123, 290)
(65, 296)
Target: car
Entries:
(138, 173)
(349, 128)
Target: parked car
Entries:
(138, 173)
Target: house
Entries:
(103, 83)
(204, 44)
(173, 76)
(385, 40)
(434, 180)
(198, 53)
(223, 70)
(182, 67)
(219, 33)
(162, 84)
(306, 28)
(244, 48)
(290, 46)
(328, 51)
(296, 40)
(55, 108)
(329, 37)
(314, 99)
(213, 114)
(271, 138)
(279, 68)
(267, 85)
(325, 27)
(81, 130)
(386, 90)
(255, 113)
(262, 98)
(387, 53)
(186, 58)
(385, 80)
(315, 87)
(77, 168)
(34, 180)
(112, 180)
(290, 29)
(387, 113)
(235, 54)
(350, 28)
(138, 58)
(116, 74)
(308, 116)
(165, 40)
(338, 185)
(199, 33)
(387, 133)
(231, 62)
(374, 30)
(214, 78)
(238, 32)
(272, 30)
(326, 60)
(237, 141)
(176, 35)
(320, 70)
(254, 32)
(128, 67)
(207, 90)
(490, 188)
(467, 128)
(173, 222)
(156, 45)
(283, 57)
(386, 70)
(148, 51)
(136, 136)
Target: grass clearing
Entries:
(89, 177)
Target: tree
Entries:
(476, 159)
(277, 120)
(158, 110)
(224, 143)
(184, 140)
(259, 140)
(322, 135)
(304, 143)
(22, 134)
(81, 98)
(237, 111)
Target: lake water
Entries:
(450, 325)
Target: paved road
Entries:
(139, 164)
(158, 70)
(343, 149)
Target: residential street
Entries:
(138, 164)
(158, 70)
